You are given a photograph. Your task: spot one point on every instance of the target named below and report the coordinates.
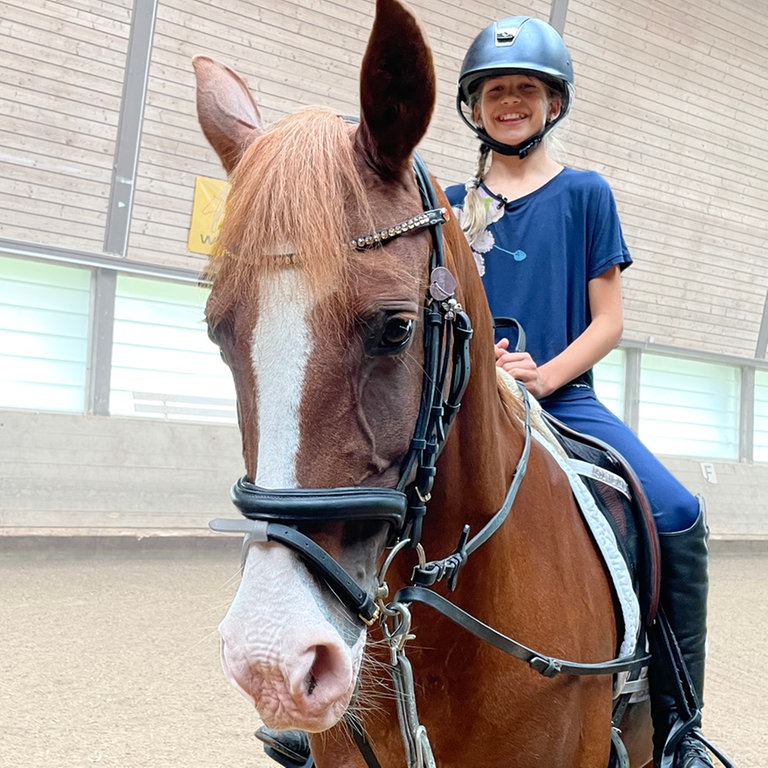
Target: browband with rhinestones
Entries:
(427, 219)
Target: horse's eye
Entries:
(397, 331)
(395, 335)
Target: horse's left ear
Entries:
(397, 89)
(226, 110)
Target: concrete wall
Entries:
(67, 471)
(103, 472)
(735, 496)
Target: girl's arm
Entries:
(598, 339)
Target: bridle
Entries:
(271, 514)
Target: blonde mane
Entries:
(290, 201)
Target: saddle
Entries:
(620, 497)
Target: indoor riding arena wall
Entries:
(670, 108)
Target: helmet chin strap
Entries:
(521, 150)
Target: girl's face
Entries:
(512, 108)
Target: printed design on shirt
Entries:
(484, 240)
(517, 255)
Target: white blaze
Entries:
(281, 645)
(280, 346)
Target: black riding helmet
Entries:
(517, 45)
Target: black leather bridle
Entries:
(272, 514)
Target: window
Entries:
(760, 448)
(163, 364)
(609, 381)
(44, 317)
(689, 407)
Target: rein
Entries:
(416, 742)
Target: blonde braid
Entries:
(475, 213)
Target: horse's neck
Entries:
(486, 440)
(479, 459)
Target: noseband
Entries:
(271, 514)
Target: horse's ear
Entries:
(226, 110)
(397, 89)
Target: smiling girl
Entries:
(549, 246)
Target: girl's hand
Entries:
(521, 366)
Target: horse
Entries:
(347, 304)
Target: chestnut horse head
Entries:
(318, 309)
(341, 297)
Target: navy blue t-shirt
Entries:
(538, 253)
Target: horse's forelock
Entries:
(290, 203)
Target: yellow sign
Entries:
(207, 211)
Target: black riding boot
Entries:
(684, 588)
(288, 748)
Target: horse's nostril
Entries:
(324, 668)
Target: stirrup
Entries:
(290, 752)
